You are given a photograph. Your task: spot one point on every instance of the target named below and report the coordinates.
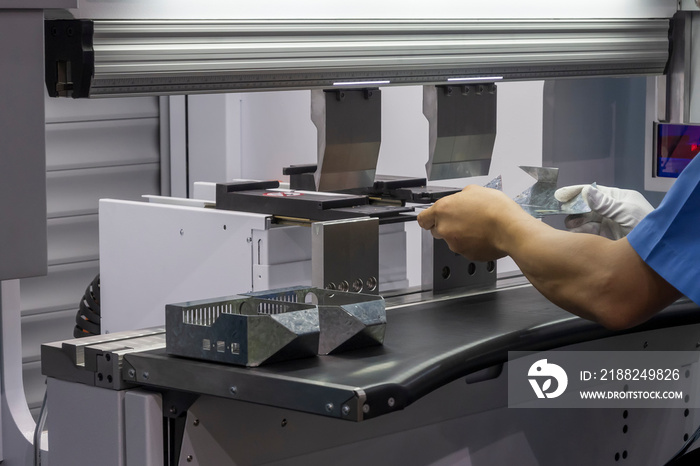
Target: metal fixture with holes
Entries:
(345, 253)
(447, 271)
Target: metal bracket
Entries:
(353, 408)
(176, 404)
(70, 57)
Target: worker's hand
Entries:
(614, 212)
(470, 220)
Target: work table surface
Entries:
(428, 344)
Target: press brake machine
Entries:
(339, 228)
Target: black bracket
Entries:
(69, 57)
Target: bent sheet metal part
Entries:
(347, 320)
(538, 200)
(241, 330)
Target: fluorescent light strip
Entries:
(360, 83)
(477, 78)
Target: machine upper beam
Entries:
(176, 57)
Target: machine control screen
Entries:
(676, 145)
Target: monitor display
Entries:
(676, 145)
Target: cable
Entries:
(87, 319)
(38, 431)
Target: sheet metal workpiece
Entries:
(577, 204)
(538, 200)
(347, 320)
(461, 129)
(241, 330)
(496, 183)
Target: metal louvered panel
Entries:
(77, 192)
(72, 239)
(127, 108)
(59, 290)
(95, 149)
(168, 57)
(92, 144)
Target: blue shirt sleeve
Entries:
(668, 239)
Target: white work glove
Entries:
(614, 212)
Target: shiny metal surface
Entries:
(576, 205)
(461, 129)
(345, 255)
(538, 200)
(75, 348)
(97, 360)
(347, 320)
(175, 57)
(349, 126)
(241, 330)
(439, 9)
(496, 183)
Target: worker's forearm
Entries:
(559, 264)
(588, 275)
(592, 276)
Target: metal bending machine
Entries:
(281, 326)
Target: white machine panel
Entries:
(393, 257)
(281, 258)
(97, 438)
(154, 254)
